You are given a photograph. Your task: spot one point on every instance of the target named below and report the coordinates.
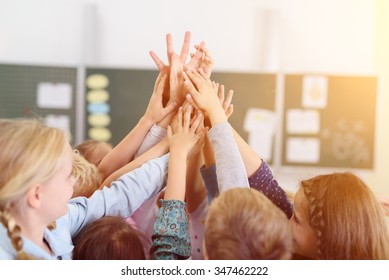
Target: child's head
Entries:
(36, 179)
(94, 151)
(336, 216)
(109, 238)
(244, 224)
(87, 177)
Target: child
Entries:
(241, 224)
(112, 238)
(109, 238)
(36, 184)
(87, 178)
(231, 173)
(171, 238)
(336, 216)
(93, 150)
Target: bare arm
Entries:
(126, 149)
(156, 151)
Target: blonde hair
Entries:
(348, 221)
(86, 176)
(245, 224)
(29, 154)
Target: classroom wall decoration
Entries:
(43, 92)
(329, 121)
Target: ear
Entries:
(34, 196)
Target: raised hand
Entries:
(203, 92)
(202, 59)
(186, 131)
(182, 139)
(228, 107)
(155, 110)
(170, 50)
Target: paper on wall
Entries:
(260, 125)
(315, 92)
(59, 121)
(300, 121)
(54, 95)
(303, 150)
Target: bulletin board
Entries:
(329, 121)
(43, 92)
(117, 98)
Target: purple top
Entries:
(262, 180)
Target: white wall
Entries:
(326, 36)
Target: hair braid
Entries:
(315, 208)
(13, 232)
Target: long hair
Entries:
(244, 224)
(30, 153)
(109, 238)
(348, 221)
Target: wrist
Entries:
(217, 117)
(178, 152)
(146, 121)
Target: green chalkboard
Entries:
(23, 89)
(337, 121)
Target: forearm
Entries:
(229, 164)
(195, 189)
(125, 150)
(175, 189)
(209, 157)
(251, 160)
(156, 151)
(155, 135)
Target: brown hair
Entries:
(109, 238)
(30, 153)
(87, 177)
(348, 220)
(245, 224)
(88, 148)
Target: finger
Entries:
(192, 102)
(196, 77)
(196, 58)
(230, 110)
(157, 60)
(169, 131)
(195, 95)
(185, 47)
(186, 77)
(169, 108)
(169, 46)
(203, 74)
(187, 114)
(179, 118)
(228, 99)
(220, 93)
(160, 84)
(196, 123)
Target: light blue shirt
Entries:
(123, 197)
